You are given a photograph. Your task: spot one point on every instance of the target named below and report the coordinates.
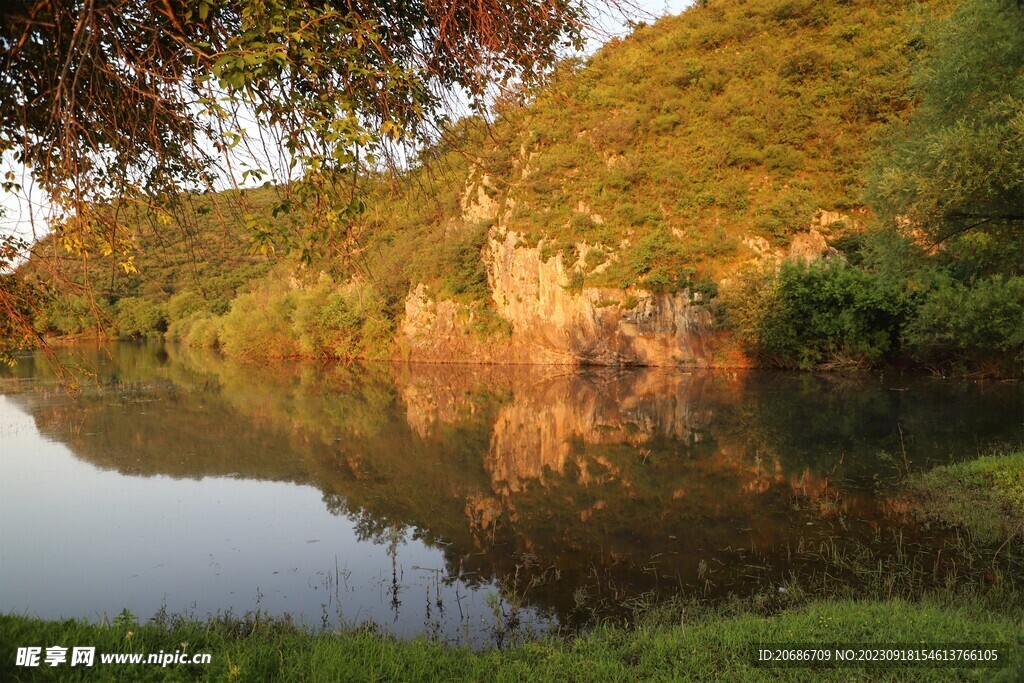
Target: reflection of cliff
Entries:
(436, 395)
(606, 475)
(543, 427)
(629, 462)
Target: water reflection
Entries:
(461, 494)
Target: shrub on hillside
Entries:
(957, 323)
(75, 314)
(822, 313)
(258, 326)
(341, 322)
(282, 318)
(887, 301)
(184, 304)
(464, 275)
(137, 317)
(201, 329)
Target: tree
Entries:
(116, 103)
(16, 301)
(108, 98)
(957, 164)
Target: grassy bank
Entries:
(701, 645)
(984, 497)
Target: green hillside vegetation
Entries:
(938, 278)
(665, 150)
(191, 262)
(734, 119)
(668, 154)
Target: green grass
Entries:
(984, 496)
(699, 646)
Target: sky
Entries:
(24, 213)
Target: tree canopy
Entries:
(957, 164)
(119, 96)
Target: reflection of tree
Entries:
(842, 426)
(374, 529)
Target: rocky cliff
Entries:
(554, 322)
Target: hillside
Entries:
(201, 252)
(668, 149)
(636, 210)
(637, 178)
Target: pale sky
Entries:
(24, 213)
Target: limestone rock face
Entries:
(477, 205)
(810, 246)
(555, 323)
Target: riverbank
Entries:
(700, 645)
(983, 496)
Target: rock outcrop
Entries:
(554, 322)
(810, 246)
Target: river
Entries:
(476, 504)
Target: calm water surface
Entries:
(467, 503)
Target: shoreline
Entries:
(683, 645)
(399, 360)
